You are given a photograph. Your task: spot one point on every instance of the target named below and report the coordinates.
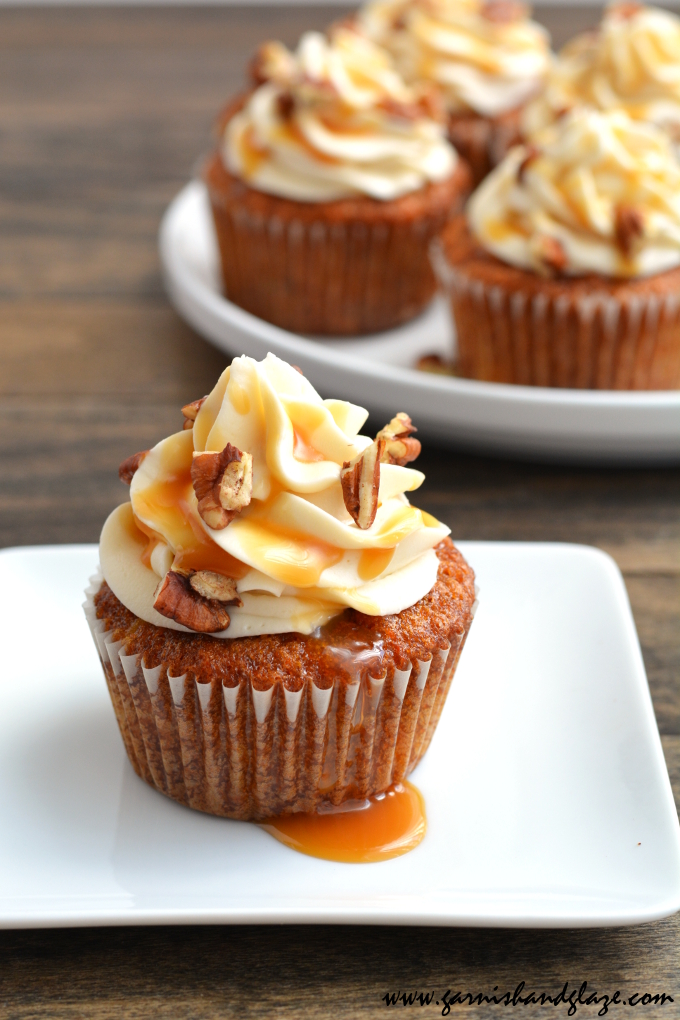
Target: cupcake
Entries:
(632, 63)
(485, 56)
(278, 626)
(329, 182)
(565, 271)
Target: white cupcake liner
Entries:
(241, 752)
(573, 339)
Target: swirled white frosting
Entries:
(334, 120)
(599, 188)
(298, 557)
(632, 63)
(485, 57)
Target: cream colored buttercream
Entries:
(335, 120)
(479, 59)
(632, 63)
(599, 193)
(298, 557)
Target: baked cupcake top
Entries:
(632, 63)
(486, 56)
(597, 193)
(269, 513)
(334, 120)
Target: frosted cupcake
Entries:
(278, 626)
(566, 269)
(631, 63)
(486, 58)
(329, 182)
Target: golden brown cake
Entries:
(485, 57)
(329, 182)
(565, 271)
(278, 626)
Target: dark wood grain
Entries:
(103, 114)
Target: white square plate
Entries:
(547, 795)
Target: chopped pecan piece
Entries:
(402, 110)
(629, 224)
(349, 22)
(258, 69)
(129, 466)
(223, 483)
(398, 446)
(435, 364)
(176, 599)
(625, 11)
(550, 253)
(272, 62)
(504, 12)
(212, 585)
(190, 412)
(360, 480)
(532, 153)
(285, 104)
(431, 103)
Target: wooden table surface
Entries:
(103, 113)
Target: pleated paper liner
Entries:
(245, 753)
(561, 336)
(338, 268)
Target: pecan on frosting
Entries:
(177, 600)
(223, 483)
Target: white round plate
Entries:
(376, 372)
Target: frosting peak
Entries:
(335, 120)
(292, 555)
(632, 63)
(487, 57)
(597, 193)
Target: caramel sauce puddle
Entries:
(391, 825)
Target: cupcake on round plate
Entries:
(565, 271)
(486, 57)
(329, 181)
(278, 626)
(632, 63)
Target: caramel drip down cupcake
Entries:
(277, 625)
(329, 182)
(565, 270)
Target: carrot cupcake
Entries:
(278, 626)
(632, 63)
(328, 184)
(566, 269)
(485, 56)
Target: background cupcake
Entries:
(328, 184)
(632, 62)
(278, 626)
(486, 58)
(566, 269)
